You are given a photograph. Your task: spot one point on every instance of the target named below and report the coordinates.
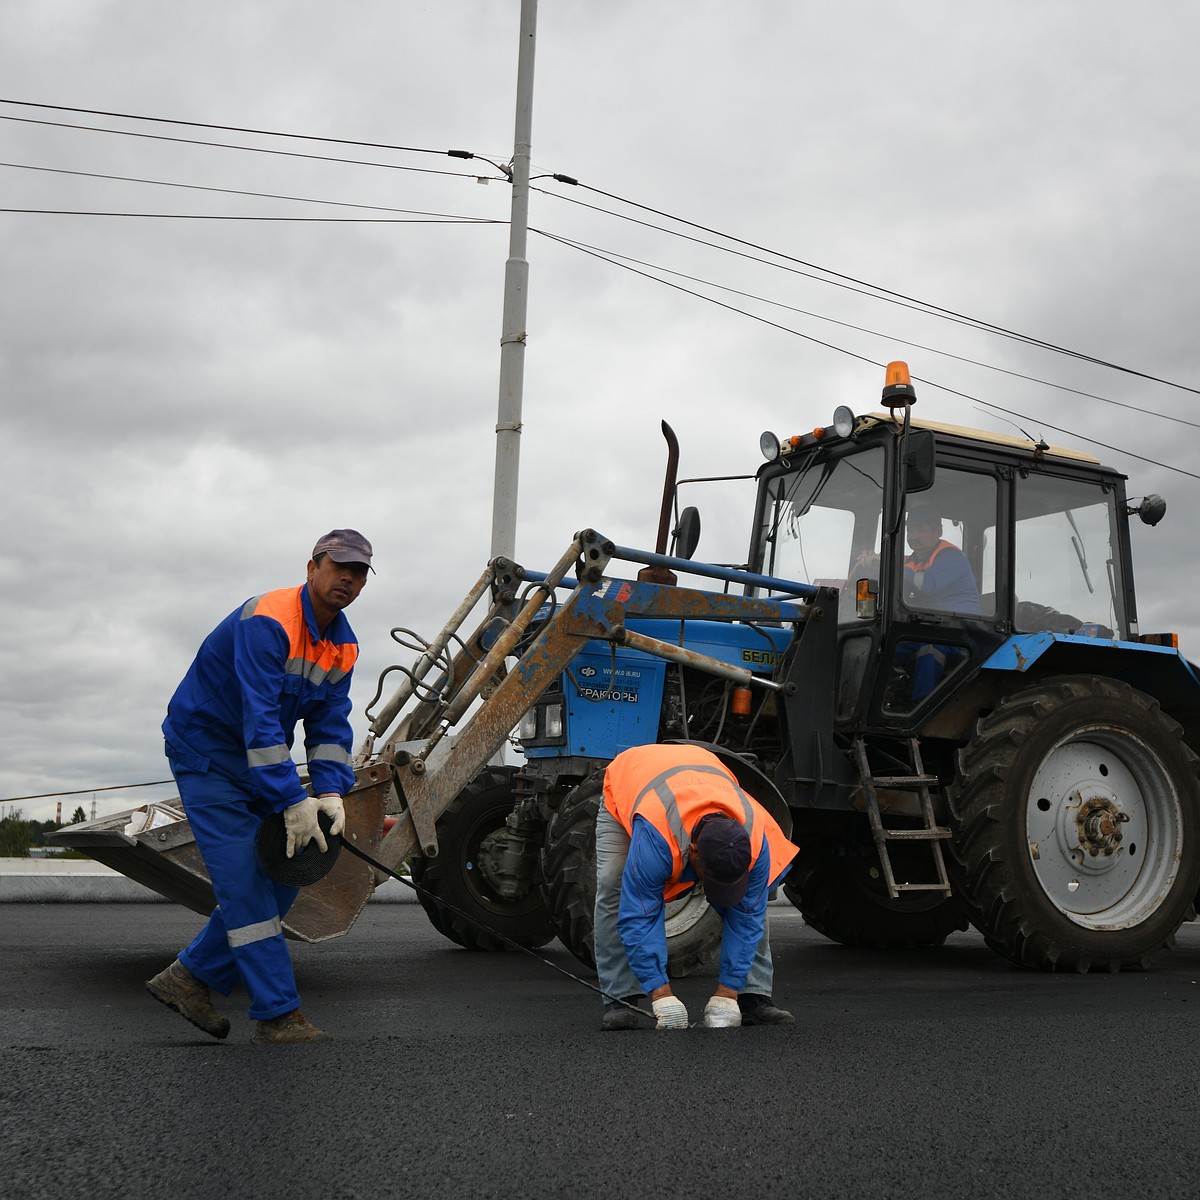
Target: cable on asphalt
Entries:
(488, 929)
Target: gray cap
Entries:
(344, 546)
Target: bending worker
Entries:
(280, 658)
(673, 818)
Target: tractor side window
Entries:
(1066, 565)
(824, 520)
(950, 531)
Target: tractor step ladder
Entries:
(930, 832)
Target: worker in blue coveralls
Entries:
(280, 658)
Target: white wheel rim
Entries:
(1104, 828)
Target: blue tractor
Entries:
(929, 668)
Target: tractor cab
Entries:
(942, 542)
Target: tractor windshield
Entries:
(822, 519)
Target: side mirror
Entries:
(686, 534)
(918, 465)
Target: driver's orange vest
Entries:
(672, 787)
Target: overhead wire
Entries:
(925, 304)
(307, 137)
(852, 354)
(198, 187)
(892, 338)
(825, 275)
(612, 256)
(353, 162)
(160, 216)
(875, 289)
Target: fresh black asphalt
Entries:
(938, 1073)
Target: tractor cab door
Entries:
(912, 616)
(941, 593)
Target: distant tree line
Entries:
(18, 836)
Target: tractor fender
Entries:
(750, 779)
(1161, 672)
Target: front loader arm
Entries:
(597, 609)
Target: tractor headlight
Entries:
(545, 723)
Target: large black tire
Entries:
(476, 812)
(847, 900)
(569, 887)
(1076, 813)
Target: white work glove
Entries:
(300, 821)
(722, 1012)
(670, 1012)
(330, 803)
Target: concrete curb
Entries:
(81, 881)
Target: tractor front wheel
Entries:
(466, 872)
(1076, 814)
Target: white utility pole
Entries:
(516, 284)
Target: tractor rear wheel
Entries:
(569, 874)
(1076, 814)
(470, 832)
(847, 900)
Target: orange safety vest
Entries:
(672, 787)
(314, 661)
(913, 565)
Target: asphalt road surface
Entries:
(942, 1073)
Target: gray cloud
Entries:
(187, 404)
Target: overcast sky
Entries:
(188, 404)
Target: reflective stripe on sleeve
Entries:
(267, 756)
(329, 752)
(259, 932)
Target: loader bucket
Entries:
(167, 860)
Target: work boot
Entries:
(178, 988)
(292, 1029)
(761, 1010)
(617, 1016)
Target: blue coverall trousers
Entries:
(243, 939)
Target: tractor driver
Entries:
(937, 575)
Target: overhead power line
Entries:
(777, 258)
(160, 216)
(852, 354)
(613, 256)
(353, 162)
(307, 137)
(116, 787)
(925, 304)
(198, 187)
